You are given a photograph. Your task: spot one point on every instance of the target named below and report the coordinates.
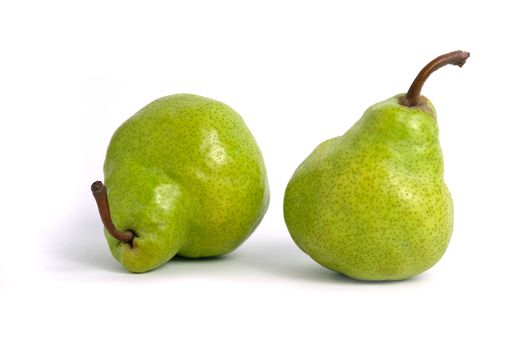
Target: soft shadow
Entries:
(217, 266)
(199, 260)
(284, 258)
(80, 244)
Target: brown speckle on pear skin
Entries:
(372, 204)
(186, 175)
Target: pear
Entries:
(183, 176)
(372, 203)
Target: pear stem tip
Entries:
(97, 186)
(457, 58)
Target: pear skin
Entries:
(372, 203)
(186, 177)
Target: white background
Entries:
(299, 72)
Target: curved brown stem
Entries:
(457, 58)
(101, 197)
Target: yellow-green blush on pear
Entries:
(373, 203)
(183, 176)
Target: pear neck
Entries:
(413, 96)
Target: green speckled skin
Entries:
(372, 204)
(186, 175)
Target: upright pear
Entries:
(372, 203)
(183, 176)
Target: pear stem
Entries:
(101, 197)
(457, 58)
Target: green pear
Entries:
(183, 176)
(372, 203)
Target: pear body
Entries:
(186, 176)
(372, 203)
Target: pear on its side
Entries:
(183, 176)
(372, 203)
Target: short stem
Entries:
(457, 58)
(101, 197)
